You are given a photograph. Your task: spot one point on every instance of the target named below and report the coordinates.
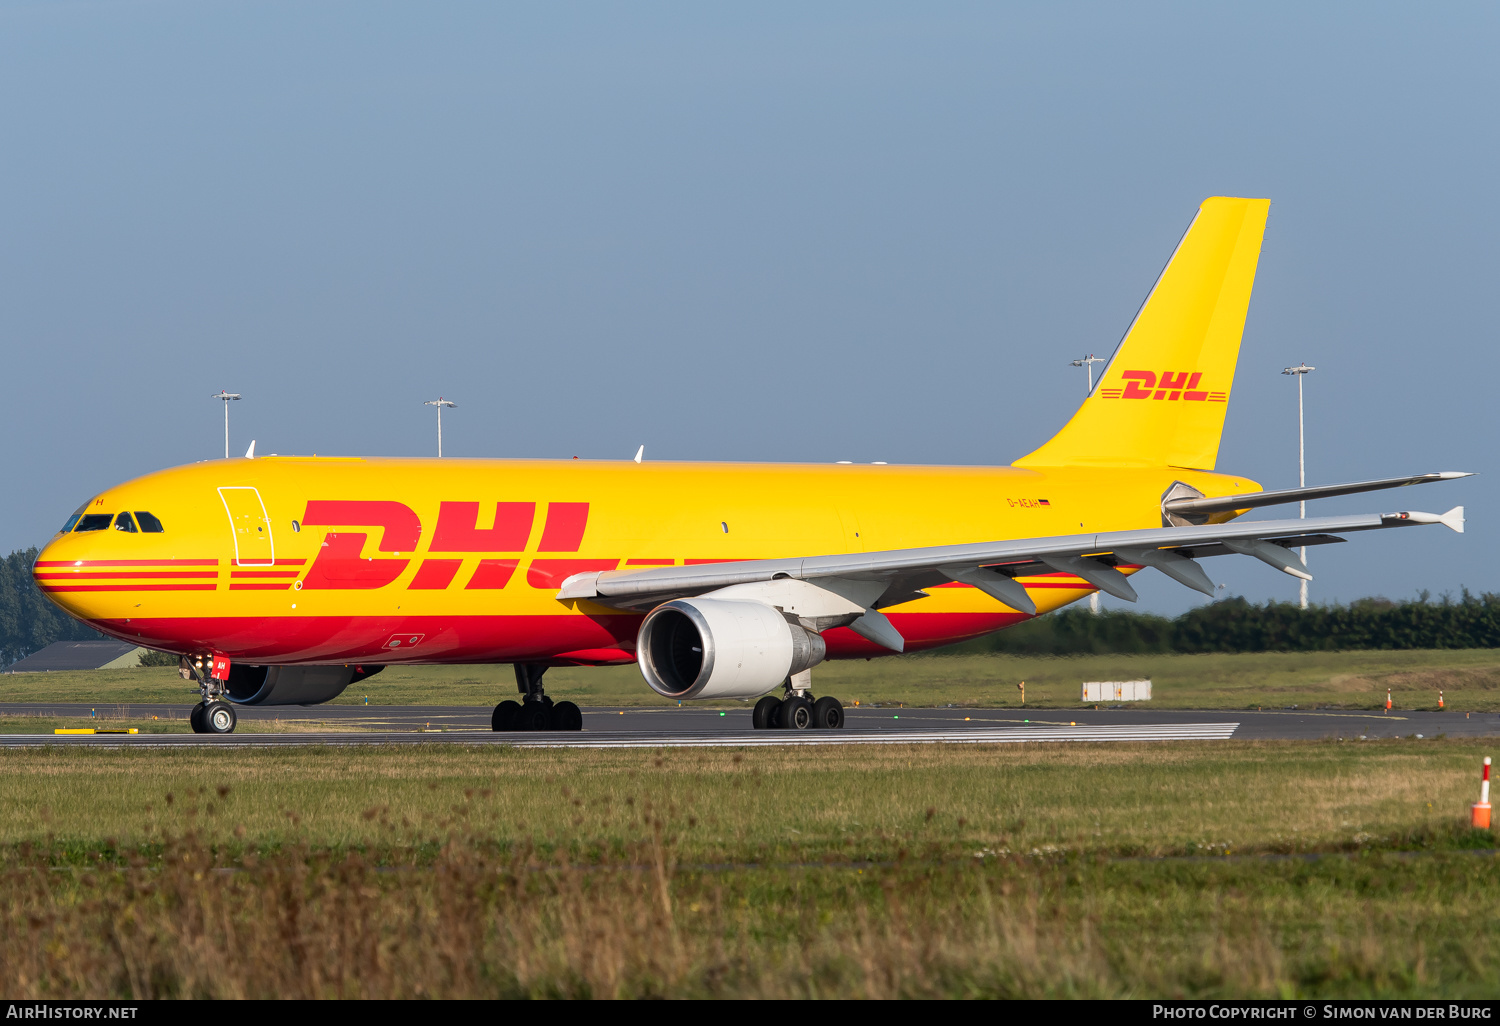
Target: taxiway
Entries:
(698, 727)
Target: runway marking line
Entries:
(617, 739)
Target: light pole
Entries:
(1088, 362)
(440, 402)
(228, 398)
(1299, 372)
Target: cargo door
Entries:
(251, 527)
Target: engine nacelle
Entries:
(291, 685)
(721, 648)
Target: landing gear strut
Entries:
(798, 710)
(535, 711)
(212, 715)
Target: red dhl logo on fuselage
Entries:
(339, 564)
(1169, 385)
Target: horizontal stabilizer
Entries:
(1255, 500)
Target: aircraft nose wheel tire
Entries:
(796, 714)
(214, 718)
(828, 713)
(195, 719)
(764, 715)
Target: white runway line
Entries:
(623, 739)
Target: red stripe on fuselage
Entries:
(127, 562)
(129, 587)
(119, 575)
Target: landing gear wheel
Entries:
(504, 716)
(567, 716)
(195, 719)
(218, 718)
(534, 716)
(764, 716)
(796, 713)
(828, 714)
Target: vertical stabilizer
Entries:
(1161, 400)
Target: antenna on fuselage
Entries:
(639, 453)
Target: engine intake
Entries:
(291, 685)
(721, 648)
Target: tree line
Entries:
(1236, 625)
(28, 622)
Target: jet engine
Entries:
(291, 685)
(722, 648)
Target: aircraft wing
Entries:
(872, 580)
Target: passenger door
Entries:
(250, 525)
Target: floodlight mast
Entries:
(1299, 372)
(228, 398)
(1088, 362)
(440, 402)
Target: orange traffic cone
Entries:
(1387, 699)
(1440, 698)
(1479, 815)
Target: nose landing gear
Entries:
(212, 715)
(798, 710)
(535, 711)
(213, 718)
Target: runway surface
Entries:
(697, 727)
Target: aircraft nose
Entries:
(59, 559)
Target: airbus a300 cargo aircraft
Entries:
(284, 579)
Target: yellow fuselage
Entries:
(286, 560)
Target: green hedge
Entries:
(29, 622)
(1235, 625)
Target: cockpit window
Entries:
(149, 523)
(123, 522)
(95, 521)
(71, 521)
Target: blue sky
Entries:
(767, 231)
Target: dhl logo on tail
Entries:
(1170, 385)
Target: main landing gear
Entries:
(535, 711)
(212, 715)
(798, 710)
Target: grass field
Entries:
(1469, 678)
(1276, 869)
